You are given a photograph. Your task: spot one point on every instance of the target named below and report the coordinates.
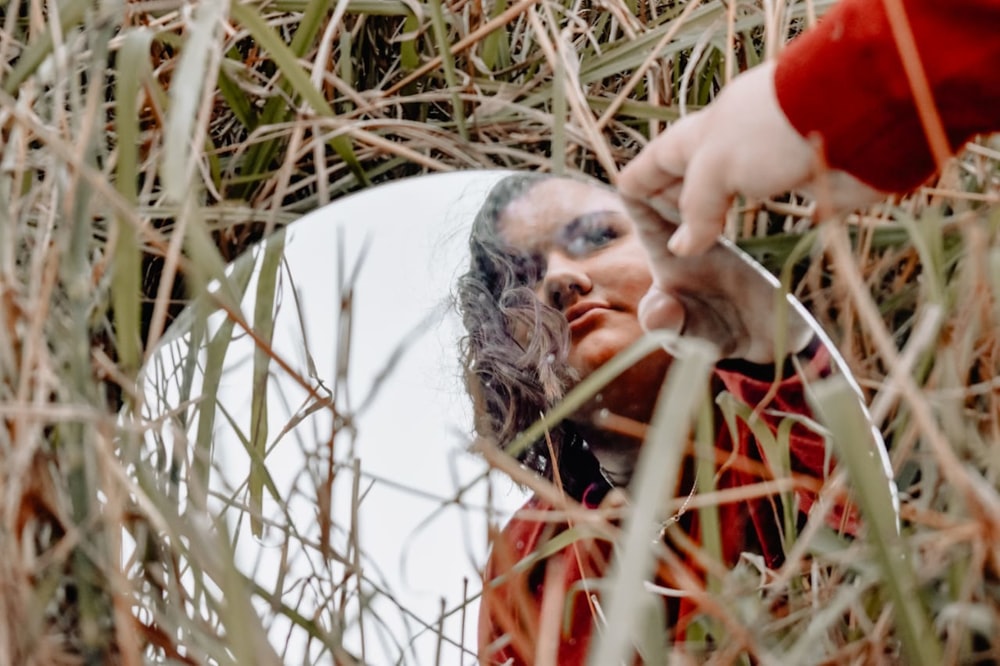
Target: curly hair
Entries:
(515, 350)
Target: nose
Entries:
(565, 281)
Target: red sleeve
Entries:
(844, 80)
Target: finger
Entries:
(704, 201)
(662, 163)
(654, 232)
(659, 310)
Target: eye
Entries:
(590, 232)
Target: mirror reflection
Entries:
(328, 420)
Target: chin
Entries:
(588, 358)
(632, 393)
(598, 348)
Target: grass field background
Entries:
(143, 145)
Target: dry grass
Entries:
(144, 144)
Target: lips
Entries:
(581, 315)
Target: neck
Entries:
(616, 453)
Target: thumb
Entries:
(659, 310)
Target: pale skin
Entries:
(741, 144)
(597, 273)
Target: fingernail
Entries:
(680, 242)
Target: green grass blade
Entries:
(234, 96)
(215, 357)
(205, 264)
(838, 406)
(263, 323)
(560, 114)
(448, 65)
(71, 14)
(495, 50)
(657, 472)
(409, 58)
(705, 466)
(629, 54)
(133, 67)
(298, 79)
(185, 100)
(776, 450)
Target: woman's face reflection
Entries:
(592, 269)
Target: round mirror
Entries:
(320, 415)
(367, 502)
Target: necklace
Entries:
(621, 479)
(615, 479)
(662, 528)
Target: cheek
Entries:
(632, 277)
(638, 287)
